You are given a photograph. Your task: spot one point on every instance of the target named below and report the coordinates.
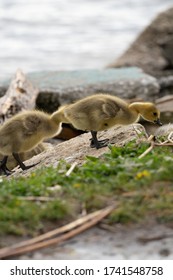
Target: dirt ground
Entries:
(143, 242)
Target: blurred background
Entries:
(40, 35)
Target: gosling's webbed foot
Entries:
(99, 144)
(4, 168)
(25, 167)
(6, 171)
(95, 143)
(21, 164)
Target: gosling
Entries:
(102, 111)
(23, 132)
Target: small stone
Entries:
(164, 252)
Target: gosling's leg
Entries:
(95, 143)
(20, 162)
(3, 166)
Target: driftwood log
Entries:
(21, 95)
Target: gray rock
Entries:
(152, 49)
(60, 87)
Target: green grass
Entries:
(142, 188)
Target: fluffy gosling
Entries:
(102, 111)
(23, 132)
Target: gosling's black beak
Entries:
(158, 122)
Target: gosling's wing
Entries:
(31, 124)
(102, 107)
(110, 109)
(91, 113)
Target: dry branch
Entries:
(36, 198)
(147, 150)
(145, 240)
(168, 142)
(66, 232)
(72, 167)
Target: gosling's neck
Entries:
(134, 111)
(138, 107)
(58, 116)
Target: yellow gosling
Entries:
(23, 132)
(102, 111)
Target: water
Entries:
(39, 35)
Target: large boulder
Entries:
(153, 49)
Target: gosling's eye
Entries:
(155, 114)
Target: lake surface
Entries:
(40, 35)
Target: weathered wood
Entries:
(67, 231)
(20, 95)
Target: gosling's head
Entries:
(150, 113)
(147, 110)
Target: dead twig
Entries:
(145, 240)
(168, 142)
(107, 227)
(68, 231)
(72, 167)
(138, 132)
(36, 198)
(84, 210)
(147, 151)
